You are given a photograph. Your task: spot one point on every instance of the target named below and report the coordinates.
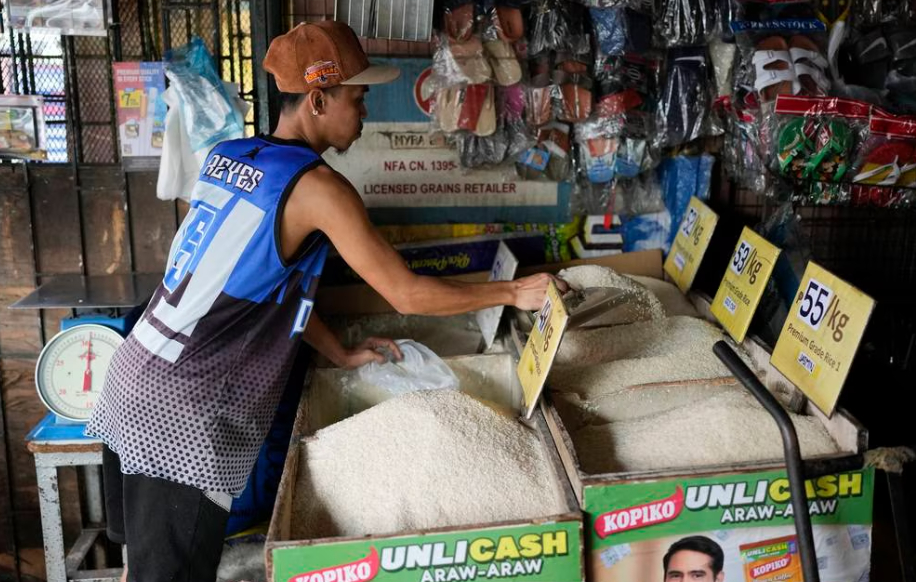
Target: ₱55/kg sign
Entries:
(821, 335)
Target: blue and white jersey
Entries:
(191, 393)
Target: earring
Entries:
(314, 112)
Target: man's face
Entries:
(690, 566)
(345, 110)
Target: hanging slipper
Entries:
(773, 67)
(794, 143)
(599, 158)
(575, 85)
(539, 101)
(478, 110)
(882, 165)
(458, 19)
(829, 160)
(509, 24)
(504, 63)
(810, 67)
(555, 139)
(866, 60)
(471, 60)
(448, 108)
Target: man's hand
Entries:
(367, 351)
(531, 291)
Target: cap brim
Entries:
(375, 75)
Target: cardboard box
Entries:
(557, 538)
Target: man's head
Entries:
(694, 559)
(323, 75)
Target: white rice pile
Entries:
(671, 298)
(638, 402)
(422, 460)
(728, 428)
(642, 304)
(669, 336)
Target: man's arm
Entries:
(324, 200)
(321, 338)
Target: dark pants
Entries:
(173, 532)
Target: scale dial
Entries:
(71, 369)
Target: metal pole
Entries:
(792, 453)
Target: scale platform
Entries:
(94, 292)
(61, 431)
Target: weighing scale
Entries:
(71, 367)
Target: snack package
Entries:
(775, 560)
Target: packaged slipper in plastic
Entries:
(786, 46)
(461, 62)
(686, 22)
(471, 108)
(559, 26)
(574, 89)
(886, 162)
(686, 97)
(458, 19)
(628, 87)
(597, 143)
(550, 158)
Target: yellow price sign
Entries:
(689, 246)
(821, 335)
(541, 349)
(743, 284)
(130, 99)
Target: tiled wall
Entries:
(315, 10)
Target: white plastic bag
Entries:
(421, 369)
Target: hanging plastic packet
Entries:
(589, 198)
(573, 98)
(558, 26)
(628, 87)
(550, 158)
(815, 138)
(471, 108)
(683, 111)
(539, 93)
(458, 19)
(785, 45)
(512, 110)
(510, 138)
(621, 29)
(885, 168)
(686, 22)
(461, 62)
(597, 143)
(420, 369)
(206, 109)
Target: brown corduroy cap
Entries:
(321, 55)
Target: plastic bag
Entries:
(550, 158)
(628, 87)
(686, 22)
(206, 108)
(885, 167)
(814, 141)
(560, 27)
(421, 369)
(686, 99)
(597, 143)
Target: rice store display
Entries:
(425, 486)
(668, 454)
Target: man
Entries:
(190, 394)
(694, 559)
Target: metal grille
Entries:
(73, 74)
(33, 64)
(389, 19)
